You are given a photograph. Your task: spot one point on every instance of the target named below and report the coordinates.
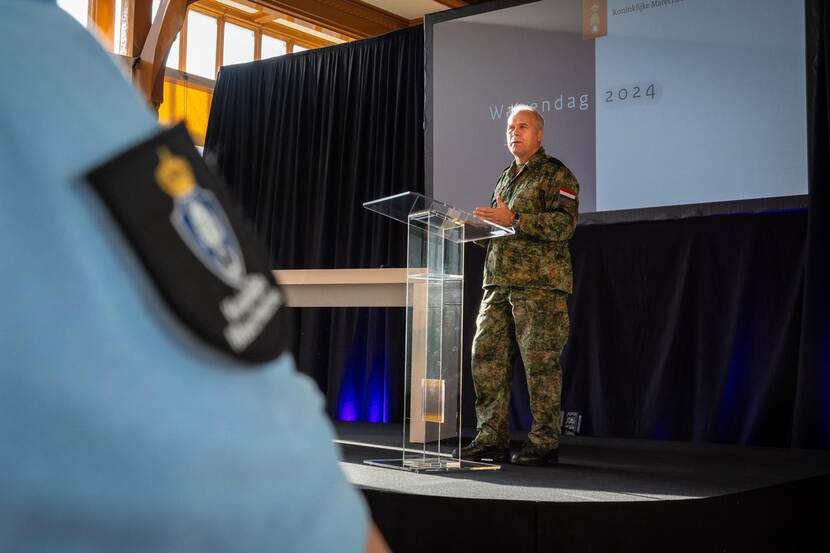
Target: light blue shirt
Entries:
(119, 429)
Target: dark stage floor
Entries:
(591, 469)
(607, 495)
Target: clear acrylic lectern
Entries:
(434, 308)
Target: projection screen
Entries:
(661, 108)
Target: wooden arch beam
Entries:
(148, 71)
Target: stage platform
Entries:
(606, 495)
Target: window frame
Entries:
(271, 35)
(244, 25)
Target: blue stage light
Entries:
(364, 394)
(377, 391)
(347, 405)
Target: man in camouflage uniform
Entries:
(527, 279)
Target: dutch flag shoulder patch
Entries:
(567, 193)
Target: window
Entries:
(79, 9)
(200, 54)
(238, 45)
(117, 30)
(173, 56)
(273, 47)
(298, 48)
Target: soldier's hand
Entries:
(501, 214)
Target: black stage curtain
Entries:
(303, 140)
(703, 329)
(688, 330)
(811, 424)
(683, 330)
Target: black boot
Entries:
(535, 456)
(475, 451)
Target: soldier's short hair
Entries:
(525, 107)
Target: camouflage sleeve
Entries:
(557, 220)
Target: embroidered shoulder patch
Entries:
(205, 261)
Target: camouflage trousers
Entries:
(534, 323)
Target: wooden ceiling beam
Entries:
(262, 23)
(297, 37)
(453, 3)
(263, 18)
(349, 17)
(265, 21)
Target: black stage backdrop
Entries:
(681, 330)
(692, 329)
(303, 140)
(811, 424)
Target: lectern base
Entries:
(422, 463)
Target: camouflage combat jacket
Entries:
(545, 195)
